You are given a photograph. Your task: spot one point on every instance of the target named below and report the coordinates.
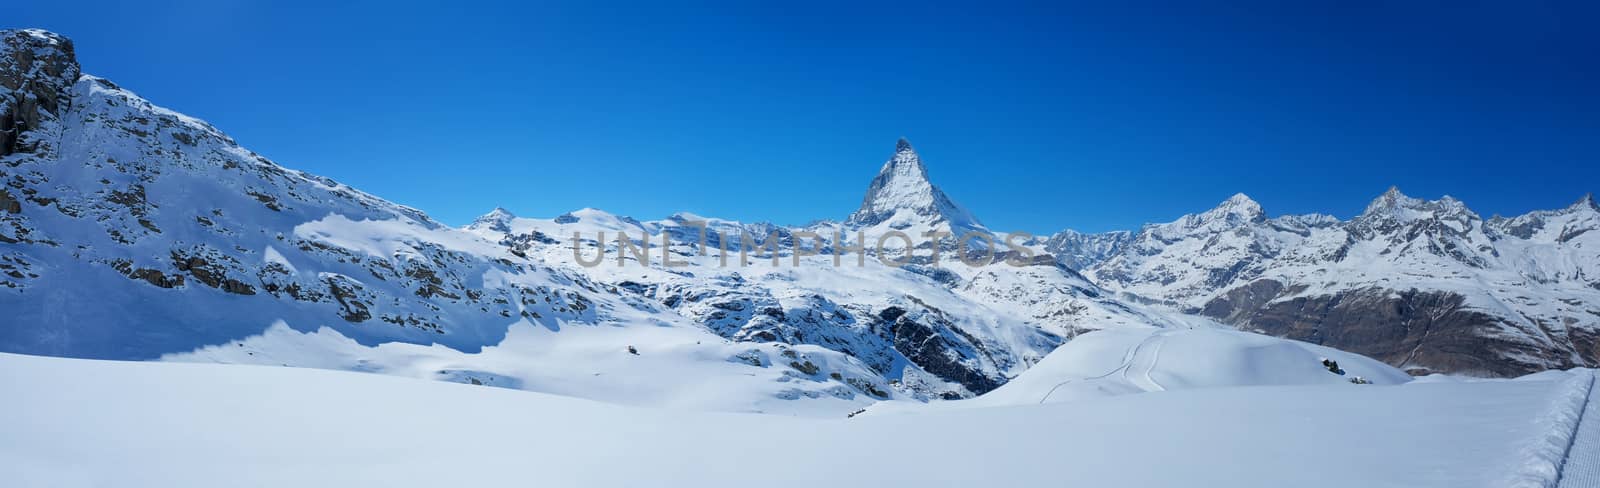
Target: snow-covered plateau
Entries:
(171, 304)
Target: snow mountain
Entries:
(129, 231)
(901, 198)
(936, 329)
(1425, 285)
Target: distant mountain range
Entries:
(1428, 286)
(130, 231)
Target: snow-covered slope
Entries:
(130, 231)
(81, 423)
(1428, 286)
(1136, 360)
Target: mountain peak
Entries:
(1241, 202)
(1587, 202)
(1237, 208)
(902, 195)
(498, 219)
(1390, 200)
(36, 39)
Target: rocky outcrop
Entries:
(946, 356)
(37, 69)
(1421, 332)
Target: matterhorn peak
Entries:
(902, 196)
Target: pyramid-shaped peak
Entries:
(1240, 200)
(903, 194)
(1241, 204)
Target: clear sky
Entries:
(1036, 117)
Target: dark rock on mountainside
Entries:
(1418, 331)
(37, 69)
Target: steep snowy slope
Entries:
(1427, 286)
(86, 423)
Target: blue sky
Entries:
(1036, 117)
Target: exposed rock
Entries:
(1417, 331)
(8, 203)
(36, 70)
(936, 353)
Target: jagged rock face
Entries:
(1078, 251)
(36, 70)
(1498, 297)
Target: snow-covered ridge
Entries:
(1517, 293)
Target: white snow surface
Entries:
(91, 423)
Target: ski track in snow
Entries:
(1581, 468)
(1143, 380)
(1128, 358)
